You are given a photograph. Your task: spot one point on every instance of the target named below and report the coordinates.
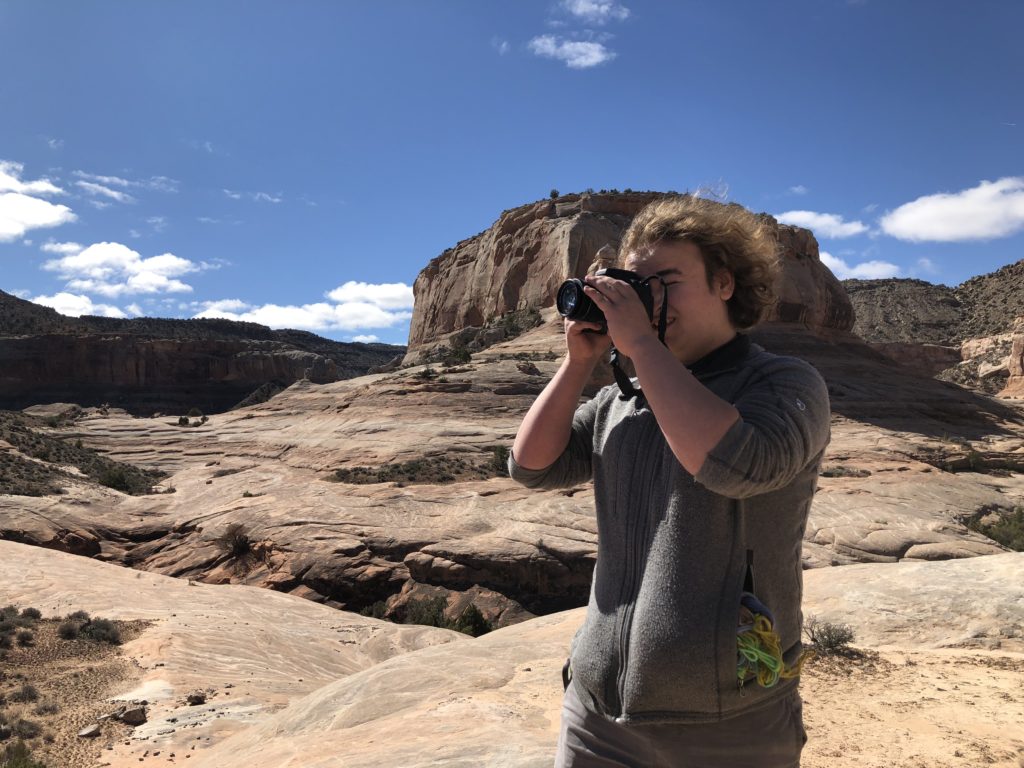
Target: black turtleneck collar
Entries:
(722, 358)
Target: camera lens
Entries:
(569, 296)
(574, 304)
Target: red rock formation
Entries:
(1015, 363)
(522, 259)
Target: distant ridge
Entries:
(908, 310)
(161, 364)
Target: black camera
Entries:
(574, 304)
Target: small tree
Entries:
(553, 193)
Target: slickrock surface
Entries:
(251, 650)
(937, 683)
(910, 458)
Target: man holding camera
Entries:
(705, 468)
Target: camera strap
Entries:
(625, 385)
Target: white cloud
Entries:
(21, 293)
(799, 189)
(10, 181)
(990, 210)
(315, 317)
(76, 306)
(64, 249)
(355, 305)
(158, 183)
(927, 266)
(366, 338)
(576, 54)
(20, 213)
(55, 143)
(159, 223)
(501, 46)
(112, 269)
(223, 305)
(823, 224)
(259, 197)
(596, 11)
(383, 295)
(135, 310)
(98, 189)
(866, 270)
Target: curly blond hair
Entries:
(729, 237)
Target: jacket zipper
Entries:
(635, 545)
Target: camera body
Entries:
(574, 304)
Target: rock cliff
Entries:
(962, 334)
(519, 262)
(153, 365)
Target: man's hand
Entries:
(628, 324)
(585, 343)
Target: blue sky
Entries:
(298, 163)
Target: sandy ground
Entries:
(915, 709)
(76, 676)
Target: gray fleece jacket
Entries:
(659, 640)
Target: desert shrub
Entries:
(18, 755)
(101, 631)
(116, 478)
(430, 612)
(472, 622)
(426, 374)
(68, 630)
(235, 540)
(499, 459)
(9, 612)
(377, 610)
(8, 625)
(25, 695)
(183, 421)
(195, 413)
(828, 638)
(31, 613)
(553, 194)
(5, 641)
(26, 638)
(78, 616)
(841, 470)
(25, 729)
(1007, 528)
(47, 708)
(454, 355)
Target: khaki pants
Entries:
(771, 737)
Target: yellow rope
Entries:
(760, 653)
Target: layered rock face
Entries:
(150, 365)
(1015, 363)
(522, 259)
(962, 334)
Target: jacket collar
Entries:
(723, 358)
